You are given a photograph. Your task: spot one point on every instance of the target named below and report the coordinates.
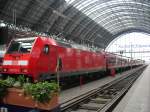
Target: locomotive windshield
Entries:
(21, 45)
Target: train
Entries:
(1, 59)
(43, 58)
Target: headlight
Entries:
(5, 70)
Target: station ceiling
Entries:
(84, 21)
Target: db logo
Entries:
(3, 109)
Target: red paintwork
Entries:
(1, 60)
(73, 60)
(115, 61)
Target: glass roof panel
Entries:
(134, 19)
(116, 26)
(85, 3)
(107, 12)
(116, 15)
(116, 31)
(122, 16)
(70, 1)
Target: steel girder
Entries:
(92, 20)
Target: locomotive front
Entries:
(17, 57)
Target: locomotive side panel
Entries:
(47, 62)
(75, 60)
(70, 59)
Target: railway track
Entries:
(102, 99)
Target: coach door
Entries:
(52, 58)
(49, 58)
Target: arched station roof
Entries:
(91, 21)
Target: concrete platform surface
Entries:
(76, 91)
(138, 97)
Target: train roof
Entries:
(77, 46)
(63, 43)
(25, 39)
(70, 44)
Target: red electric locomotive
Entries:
(40, 58)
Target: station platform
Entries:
(138, 97)
(76, 91)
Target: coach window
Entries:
(46, 49)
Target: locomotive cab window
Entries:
(46, 49)
(23, 45)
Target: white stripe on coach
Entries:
(20, 62)
(7, 62)
(23, 62)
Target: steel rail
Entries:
(77, 101)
